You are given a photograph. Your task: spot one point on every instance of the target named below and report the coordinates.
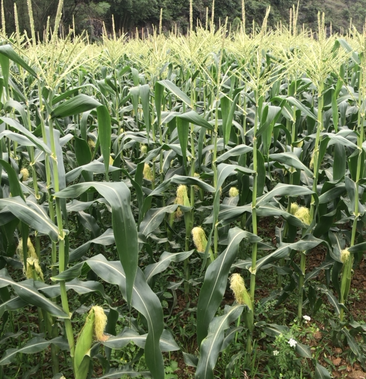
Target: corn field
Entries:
(135, 175)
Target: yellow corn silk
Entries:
(34, 270)
(241, 294)
(100, 323)
(199, 239)
(182, 199)
(148, 173)
(31, 252)
(25, 174)
(233, 192)
(143, 149)
(302, 213)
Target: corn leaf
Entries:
(211, 345)
(124, 226)
(215, 281)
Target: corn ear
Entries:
(83, 346)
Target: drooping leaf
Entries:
(154, 217)
(211, 345)
(31, 215)
(215, 281)
(35, 345)
(78, 104)
(28, 292)
(124, 227)
(104, 134)
(144, 300)
(164, 261)
(167, 342)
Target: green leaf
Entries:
(31, 214)
(145, 101)
(35, 345)
(7, 51)
(307, 243)
(215, 281)
(227, 110)
(284, 190)
(80, 287)
(15, 188)
(194, 118)
(94, 167)
(171, 87)
(104, 134)
(27, 291)
(298, 105)
(120, 373)
(211, 345)
(321, 372)
(183, 134)
(167, 342)
(144, 300)
(303, 350)
(76, 105)
(164, 262)
(36, 141)
(290, 159)
(124, 227)
(234, 152)
(106, 239)
(154, 217)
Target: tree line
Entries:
(91, 15)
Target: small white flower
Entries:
(275, 352)
(306, 318)
(292, 342)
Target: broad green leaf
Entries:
(183, 134)
(298, 105)
(154, 217)
(59, 157)
(78, 104)
(127, 373)
(31, 214)
(144, 300)
(94, 167)
(13, 179)
(211, 345)
(7, 51)
(80, 287)
(234, 152)
(307, 243)
(20, 108)
(227, 110)
(164, 262)
(284, 190)
(104, 134)
(291, 160)
(145, 101)
(35, 345)
(167, 342)
(194, 118)
(124, 227)
(106, 239)
(27, 291)
(36, 141)
(215, 281)
(12, 304)
(171, 87)
(321, 372)
(303, 350)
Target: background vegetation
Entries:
(129, 14)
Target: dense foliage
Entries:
(136, 178)
(90, 15)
